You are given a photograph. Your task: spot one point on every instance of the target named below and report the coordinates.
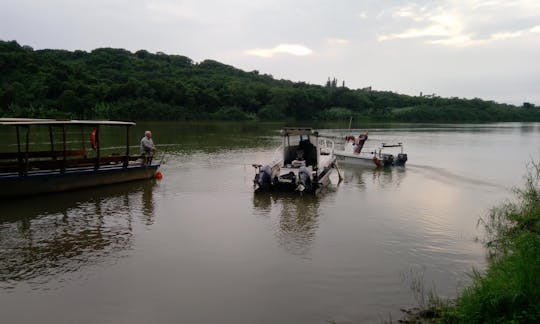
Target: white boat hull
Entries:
(370, 157)
(355, 159)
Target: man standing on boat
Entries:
(360, 142)
(147, 147)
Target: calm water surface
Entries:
(200, 247)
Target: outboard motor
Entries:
(263, 179)
(401, 159)
(388, 159)
(304, 179)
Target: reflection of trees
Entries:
(56, 234)
(297, 218)
(209, 137)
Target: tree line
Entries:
(110, 83)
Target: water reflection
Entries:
(210, 137)
(297, 218)
(382, 177)
(62, 233)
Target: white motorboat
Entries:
(305, 163)
(354, 153)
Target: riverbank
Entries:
(509, 290)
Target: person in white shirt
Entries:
(147, 147)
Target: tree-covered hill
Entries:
(117, 84)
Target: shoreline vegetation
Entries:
(508, 291)
(109, 83)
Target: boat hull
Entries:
(352, 159)
(49, 182)
(369, 160)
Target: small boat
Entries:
(354, 153)
(305, 163)
(60, 155)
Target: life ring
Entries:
(93, 140)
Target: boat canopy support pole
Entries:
(286, 147)
(126, 158)
(98, 146)
(63, 167)
(26, 155)
(51, 139)
(83, 142)
(19, 153)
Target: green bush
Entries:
(230, 113)
(270, 112)
(335, 113)
(509, 291)
(145, 86)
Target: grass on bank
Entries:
(509, 290)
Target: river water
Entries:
(200, 247)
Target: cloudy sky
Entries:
(454, 48)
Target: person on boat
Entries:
(147, 147)
(360, 142)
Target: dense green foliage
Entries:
(117, 84)
(509, 292)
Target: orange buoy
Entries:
(158, 175)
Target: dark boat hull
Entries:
(48, 182)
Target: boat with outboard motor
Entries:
(305, 163)
(354, 153)
(51, 155)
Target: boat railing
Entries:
(30, 162)
(277, 155)
(41, 154)
(399, 144)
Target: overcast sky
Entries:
(454, 48)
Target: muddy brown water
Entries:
(200, 247)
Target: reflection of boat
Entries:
(50, 237)
(372, 176)
(68, 159)
(296, 218)
(354, 153)
(305, 165)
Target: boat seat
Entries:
(298, 163)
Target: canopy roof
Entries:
(57, 122)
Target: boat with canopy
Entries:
(47, 155)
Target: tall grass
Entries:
(509, 291)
